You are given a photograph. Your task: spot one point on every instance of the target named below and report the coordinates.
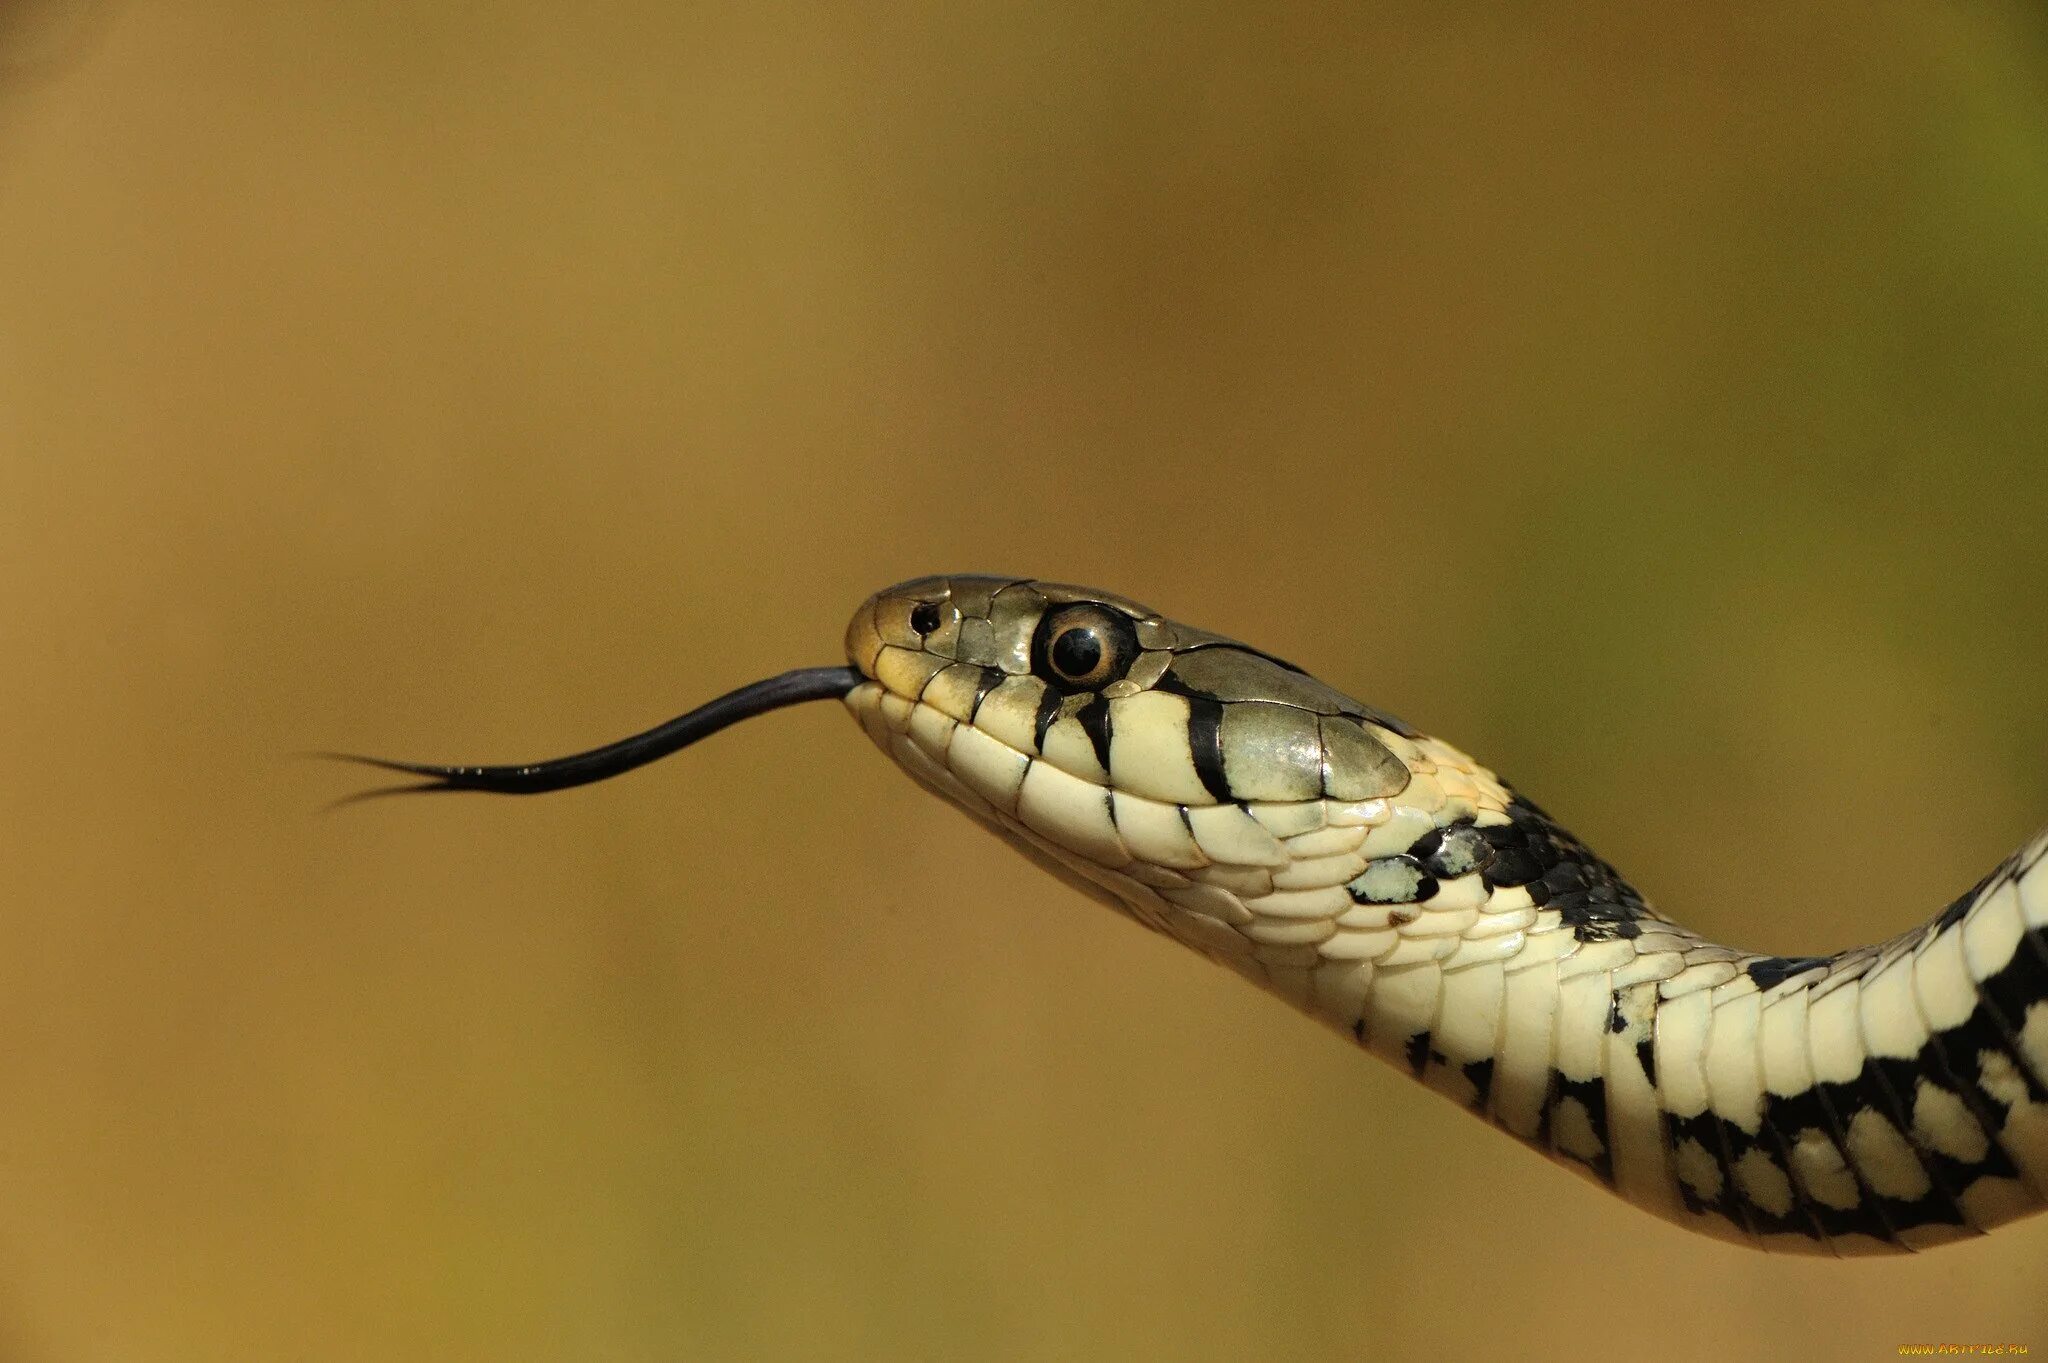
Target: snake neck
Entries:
(1884, 1098)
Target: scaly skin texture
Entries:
(1887, 1098)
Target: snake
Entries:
(1887, 1098)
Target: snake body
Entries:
(1886, 1098)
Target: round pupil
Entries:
(1077, 652)
(924, 617)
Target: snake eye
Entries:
(1084, 647)
(1076, 652)
(924, 617)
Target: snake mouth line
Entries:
(613, 759)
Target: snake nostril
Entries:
(924, 616)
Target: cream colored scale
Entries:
(1887, 1098)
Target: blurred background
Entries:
(1647, 398)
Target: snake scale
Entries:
(1887, 1098)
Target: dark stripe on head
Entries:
(1094, 717)
(1048, 711)
(990, 679)
(1205, 741)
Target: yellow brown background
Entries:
(1648, 398)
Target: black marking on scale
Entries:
(1892, 1080)
(1171, 683)
(1772, 971)
(1480, 1073)
(1712, 1135)
(1543, 1113)
(1938, 1066)
(1591, 1096)
(1205, 741)
(2006, 995)
(1813, 1228)
(1094, 718)
(1870, 1215)
(1417, 1053)
(1782, 1119)
(1958, 909)
(1048, 713)
(1533, 851)
(989, 680)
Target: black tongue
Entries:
(601, 764)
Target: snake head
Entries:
(1205, 788)
(1208, 789)
(1112, 693)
